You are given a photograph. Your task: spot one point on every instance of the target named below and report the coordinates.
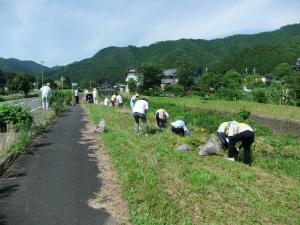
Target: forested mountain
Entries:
(263, 51)
(14, 66)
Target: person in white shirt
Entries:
(95, 95)
(46, 91)
(120, 101)
(76, 94)
(139, 113)
(179, 127)
(161, 116)
(106, 101)
(240, 132)
(133, 100)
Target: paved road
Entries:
(52, 184)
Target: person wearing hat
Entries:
(46, 91)
(161, 117)
(179, 127)
(95, 95)
(133, 100)
(240, 132)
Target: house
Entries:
(297, 65)
(131, 74)
(267, 80)
(168, 77)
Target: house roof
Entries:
(169, 73)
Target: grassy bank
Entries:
(166, 186)
(16, 142)
(269, 110)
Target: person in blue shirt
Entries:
(179, 127)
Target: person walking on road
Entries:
(46, 91)
(240, 132)
(95, 96)
(76, 96)
(139, 113)
(161, 116)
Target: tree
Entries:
(185, 72)
(232, 85)
(21, 82)
(208, 83)
(2, 79)
(132, 86)
(283, 70)
(151, 75)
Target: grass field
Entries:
(269, 110)
(165, 186)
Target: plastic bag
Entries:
(100, 127)
(184, 147)
(211, 148)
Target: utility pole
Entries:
(90, 84)
(254, 71)
(42, 62)
(62, 82)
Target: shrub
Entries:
(59, 100)
(14, 115)
(244, 114)
(259, 95)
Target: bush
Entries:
(59, 100)
(14, 115)
(259, 95)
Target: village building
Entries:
(168, 78)
(297, 65)
(131, 74)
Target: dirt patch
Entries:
(280, 126)
(109, 197)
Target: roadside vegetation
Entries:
(166, 186)
(16, 123)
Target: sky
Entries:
(60, 32)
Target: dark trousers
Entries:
(140, 116)
(161, 123)
(77, 99)
(222, 137)
(247, 138)
(179, 131)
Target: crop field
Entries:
(269, 110)
(163, 185)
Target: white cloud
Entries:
(62, 31)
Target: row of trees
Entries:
(284, 88)
(20, 82)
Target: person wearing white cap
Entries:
(46, 91)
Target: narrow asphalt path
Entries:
(53, 183)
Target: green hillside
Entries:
(14, 66)
(238, 51)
